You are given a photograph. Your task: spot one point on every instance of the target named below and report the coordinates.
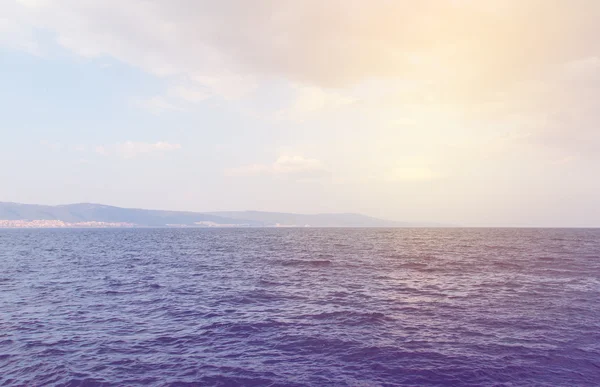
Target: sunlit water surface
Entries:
(300, 307)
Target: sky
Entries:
(466, 112)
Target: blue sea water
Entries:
(300, 307)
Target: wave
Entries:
(304, 262)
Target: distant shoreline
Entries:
(16, 215)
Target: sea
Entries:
(300, 307)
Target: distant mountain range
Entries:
(98, 215)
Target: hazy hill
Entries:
(74, 213)
(87, 212)
(316, 220)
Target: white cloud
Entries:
(227, 45)
(286, 165)
(16, 28)
(54, 146)
(131, 149)
(457, 52)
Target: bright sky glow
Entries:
(471, 112)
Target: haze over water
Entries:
(297, 307)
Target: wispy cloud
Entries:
(308, 43)
(131, 149)
(52, 145)
(175, 99)
(286, 165)
(16, 28)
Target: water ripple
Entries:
(300, 307)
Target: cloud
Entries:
(16, 30)
(131, 149)
(535, 59)
(177, 98)
(227, 45)
(556, 112)
(54, 146)
(286, 165)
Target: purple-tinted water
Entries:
(300, 307)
